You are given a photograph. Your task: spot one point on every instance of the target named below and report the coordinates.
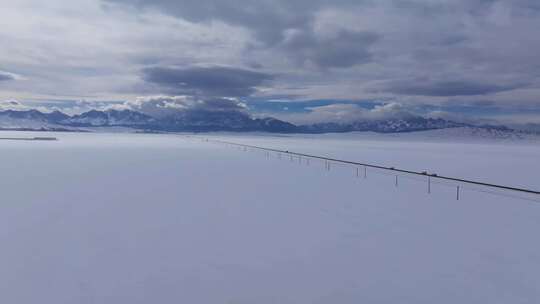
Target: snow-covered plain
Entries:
(135, 218)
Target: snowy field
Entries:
(134, 218)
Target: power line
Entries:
(393, 169)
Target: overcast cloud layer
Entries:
(406, 52)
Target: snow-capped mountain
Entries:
(222, 121)
(471, 134)
(95, 118)
(33, 120)
(276, 125)
(34, 115)
(207, 121)
(198, 121)
(408, 124)
(204, 121)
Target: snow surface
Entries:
(147, 218)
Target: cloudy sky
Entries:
(295, 59)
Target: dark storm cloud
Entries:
(267, 18)
(341, 50)
(271, 21)
(444, 88)
(289, 26)
(206, 81)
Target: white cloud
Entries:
(5, 76)
(162, 106)
(346, 113)
(15, 105)
(12, 105)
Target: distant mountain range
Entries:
(206, 121)
(393, 125)
(193, 121)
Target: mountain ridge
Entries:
(210, 121)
